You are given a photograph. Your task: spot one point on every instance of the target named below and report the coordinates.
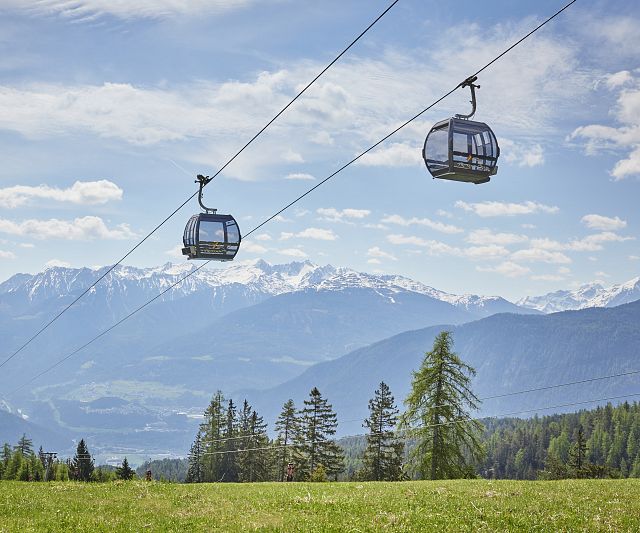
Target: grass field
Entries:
(478, 505)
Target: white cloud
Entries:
(613, 81)
(602, 274)
(498, 209)
(5, 254)
(443, 213)
(263, 237)
(603, 223)
(634, 257)
(253, 248)
(156, 9)
(438, 248)
(626, 136)
(394, 155)
(521, 154)
(539, 255)
(336, 215)
(318, 234)
(176, 252)
(374, 261)
(377, 253)
(438, 226)
(84, 228)
(56, 263)
(548, 277)
(299, 176)
(293, 252)
(593, 243)
(486, 236)
(506, 268)
(81, 192)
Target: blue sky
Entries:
(109, 108)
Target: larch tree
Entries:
(315, 446)
(382, 460)
(287, 432)
(437, 413)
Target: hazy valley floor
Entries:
(477, 505)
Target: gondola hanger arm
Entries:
(470, 82)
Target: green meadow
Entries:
(461, 505)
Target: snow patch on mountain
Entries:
(588, 295)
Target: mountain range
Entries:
(249, 328)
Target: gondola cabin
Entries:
(211, 236)
(461, 150)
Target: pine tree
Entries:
(82, 466)
(24, 446)
(195, 473)
(287, 430)
(437, 406)
(318, 423)
(382, 460)
(124, 471)
(229, 457)
(578, 454)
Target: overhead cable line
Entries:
(343, 167)
(503, 395)
(246, 145)
(428, 426)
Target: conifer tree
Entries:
(194, 472)
(24, 446)
(382, 460)
(82, 464)
(318, 423)
(287, 432)
(4, 459)
(211, 434)
(124, 471)
(437, 410)
(254, 459)
(578, 454)
(229, 457)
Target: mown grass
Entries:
(477, 505)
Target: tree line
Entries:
(434, 438)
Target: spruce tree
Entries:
(211, 439)
(318, 423)
(82, 464)
(254, 459)
(382, 460)
(287, 432)
(578, 454)
(124, 471)
(229, 455)
(4, 459)
(194, 472)
(437, 413)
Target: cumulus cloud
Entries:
(56, 263)
(522, 154)
(83, 228)
(626, 135)
(5, 254)
(438, 248)
(253, 248)
(293, 252)
(499, 209)
(486, 236)
(376, 253)
(336, 215)
(81, 192)
(603, 223)
(299, 176)
(506, 268)
(263, 237)
(435, 225)
(318, 234)
(394, 155)
(539, 255)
